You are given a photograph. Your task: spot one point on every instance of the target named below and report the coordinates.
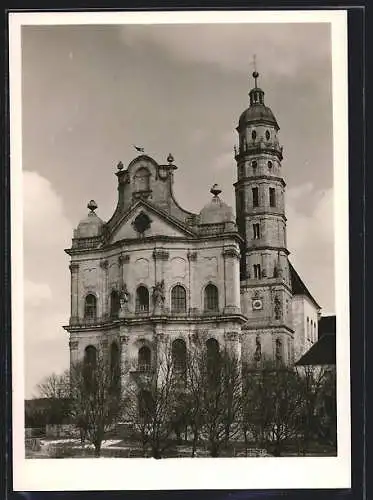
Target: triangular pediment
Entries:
(144, 220)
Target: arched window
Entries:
(268, 135)
(90, 307)
(115, 367)
(144, 359)
(145, 404)
(89, 367)
(211, 298)
(142, 299)
(178, 299)
(141, 179)
(114, 304)
(213, 356)
(179, 355)
(253, 135)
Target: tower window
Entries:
(142, 299)
(253, 135)
(144, 359)
(90, 307)
(141, 179)
(178, 299)
(114, 304)
(254, 164)
(211, 302)
(256, 231)
(268, 135)
(270, 164)
(255, 192)
(257, 271)
(179, 355)
(272, 197)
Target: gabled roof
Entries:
(298, 287)
(327, 325)
(172, 221)
(321, 353)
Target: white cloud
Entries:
(311, 241)
(45, 223)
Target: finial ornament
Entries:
(215, 190)
(170, 158)
(92, 205)
(120, 166)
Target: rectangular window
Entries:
(272, 197)
(256, 231)
(255, 197)
(257, 272)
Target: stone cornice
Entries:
(74, 267)
(255, 178)
(266, 247)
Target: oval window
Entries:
(253, 135)
(254, 164)
(269, 164)
(268, 135)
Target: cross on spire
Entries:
(255, 73)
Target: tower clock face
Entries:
(257, 304)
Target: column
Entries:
(74, 352)
(233, 341)
(124, 359)
(193, 304)
(74, 315)
(104, 313)
(159, 256)
(232, 284)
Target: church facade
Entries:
(155, 272)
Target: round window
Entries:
(268, 135)
(253, 135)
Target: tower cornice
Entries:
(270, 178)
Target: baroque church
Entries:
(156, 272)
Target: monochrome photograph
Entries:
(181, 199)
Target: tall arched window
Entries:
(211, 298)
(114, 304)
(90, 363)
(141, 179)
(179, 353)
(178, 299)
(213, 356)
(144, 359)
(142, 299)
(115, 367)
(90, 307)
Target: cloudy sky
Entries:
(90, 92)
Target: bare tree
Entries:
(214, 387)
(54, 389)
(153, 402)
(96, 404)
(273, 406)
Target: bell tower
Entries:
(260, 207)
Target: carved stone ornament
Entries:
(74, 267)
(192, 256)
(142, 222)
(277, 307)
(104, 343)
(124, 339)
(104, 264)
(159, 294)
(123, 259)
(231, 253)
(160, 254)
(258, 349)
(73, 344)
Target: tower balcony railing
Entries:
(86, 243)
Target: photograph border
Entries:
(354, 182)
